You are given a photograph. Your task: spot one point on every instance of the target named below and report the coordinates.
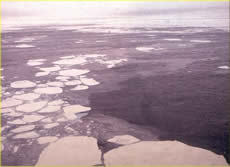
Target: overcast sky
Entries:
(20, 11)
(100, 9)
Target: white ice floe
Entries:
(23, 84)
(70, 111)
(55, 84)
(23, 129)
(32, 118)
(48, 90)
(47, 139)
(50, 69)
(72, 83)
(80, 87)
(10, 102)
(6, 110)
(17, 122)
(172, 39)
(62, 120)
(111, 63)
(42, 85)
(68, 57)
(24, 46)
(56, 102)
(27, 135)
(26, 39)
(47, 120)
(62, 78)
(124, 139)
(94, 55)
(162, 153)
(31, 107)
(89, 81)
(50, 109)
(28, 96)
(13, 114)
(100, 41)
(40, 74)
(73, 61)
(224, 67)
(52, 125)
(201, 41)
(71, 151)
(147, 49)
(34, 63)
(19, 92)
(79, 41)
(73, 72)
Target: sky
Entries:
(24, 11)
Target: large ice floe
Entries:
(166, 153)
(71, 151)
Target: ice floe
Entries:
(24, 46)
(62, 78)
(48, 90)
(161, 153)
(26, 39)
(68, 57)
(28, 96)
(124, 139)
(73, 61)
(13, 114)
(32, 118)
(40, 74)
(201, 41)
(23, 129)
(71, 151)
(73, 72)
(23, 84)
(224, 67)
(80, 87)
(79, 41)
(47, 139)
(56, 102)
(50, 69)
(172, 39)
(94, 55)
(52, 125)
(55, 84)
(50, 109)
(34, 63)
(111, 63)
(72, 83)
(147, 49)
(70, 111)
(31, 107)
(47, 120)
(10, 102)
(17, 122)
(6, 110)
(27, 135)
(89, 81)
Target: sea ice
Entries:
(49, 90)
(23, 84)
(28, 96)
(73, 72)
(31, 107)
